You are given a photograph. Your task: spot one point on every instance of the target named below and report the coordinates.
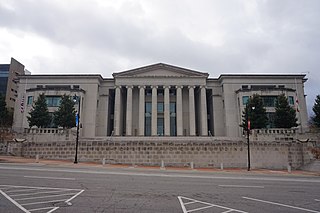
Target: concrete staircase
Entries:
(314, 166)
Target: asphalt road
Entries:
(48, 188)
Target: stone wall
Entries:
(203, 152)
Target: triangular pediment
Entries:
(161, 70)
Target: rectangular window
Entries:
(160, 92)
(148, 92)
(148, 110)
(245, 87)
(160, 107)
(173, 124)
(269, 101)
(172, 107)
(291, 100)
(172, 92)
(160, 126)
(245, 100)
(53, 101)
(30, 100)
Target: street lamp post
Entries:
(249, 109)
(248, 138)
(77, 99)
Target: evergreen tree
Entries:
(316, 110)
(39, 114)
(65, 116)
(285, 116)
(6, 116)
(255, 112)
(3, 111)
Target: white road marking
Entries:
(241, 186)
(32, 187)
(44, 208)
(31, 198)
(49, 201)
(68, 201)
(53, 210)
(206, 205)
(166, 175)
(54, 178)
(22, 190)
(316, 199)
(14, 202)
(280, 204)
(44, 203)
(48, 192)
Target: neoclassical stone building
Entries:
(161, 100)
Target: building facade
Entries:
(8, 81)
(161, 100)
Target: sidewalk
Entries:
(67, 163)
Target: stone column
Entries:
(117, 107)
(203, 107)
(192, 116)
(179, 111)
(141, 110)
(154, 111)
(129, 111)
(166, 111)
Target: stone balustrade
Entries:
(48, 134)
(274, 134)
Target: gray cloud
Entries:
(211, 36)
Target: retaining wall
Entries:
(203, 152)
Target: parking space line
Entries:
(31, 198)
(68, 201)
(50, 201)
(53, 210)
(42, 202)
(205, 205)
(30, 187)
(44, 208)
(14, 202)
(22, 190)
(46, 192)
(280, 204)
(54, 178)
(189, 203)
(241, 186)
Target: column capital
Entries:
(191, 87)
(141, 87)
(179, 87)
(129, 87)
(166, 86)
(203, 87)
(117, 86)
(154, 86)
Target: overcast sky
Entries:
(214, 36)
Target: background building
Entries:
(9, 80)
(161, 100)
